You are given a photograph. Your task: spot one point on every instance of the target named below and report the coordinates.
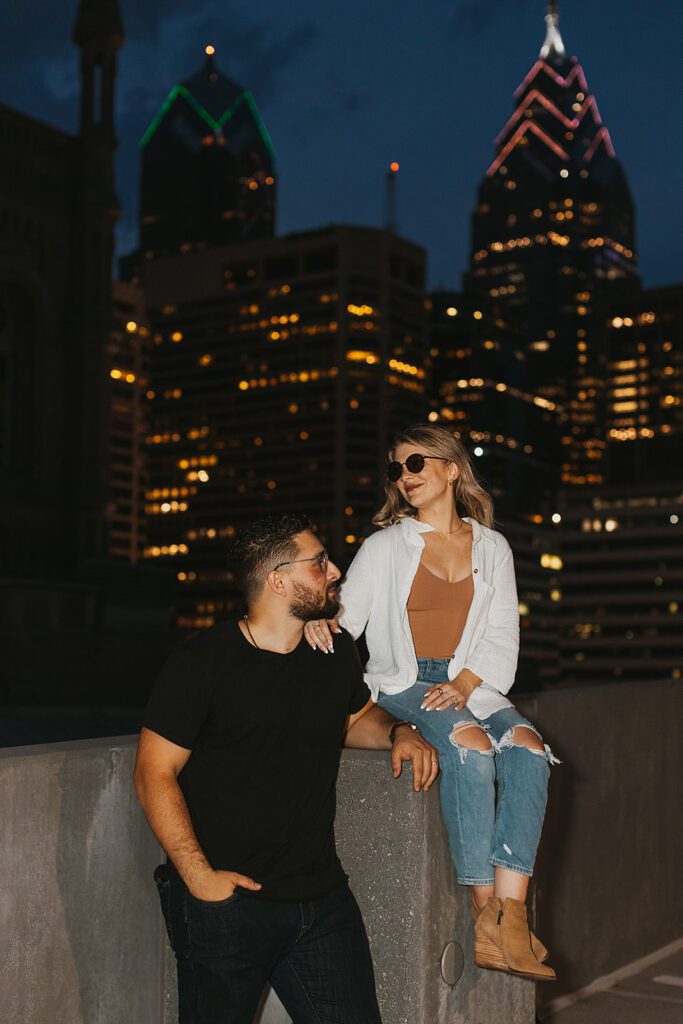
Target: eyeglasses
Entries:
(322, 558)
(415, 463)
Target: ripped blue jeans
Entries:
(483, 832)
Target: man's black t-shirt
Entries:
(265, 731)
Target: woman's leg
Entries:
(467, 788)
(522, 770)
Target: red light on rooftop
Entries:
(393, 167)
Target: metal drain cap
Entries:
(452, 963)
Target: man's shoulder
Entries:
(344, 642)
(207, 644)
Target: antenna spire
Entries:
(390, 219)
(553, 45)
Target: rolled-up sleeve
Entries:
(494, 658)
(356, 594)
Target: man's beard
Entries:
(307, 605)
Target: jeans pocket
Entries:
(215, 903)
(163, 884)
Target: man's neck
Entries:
(271, 632)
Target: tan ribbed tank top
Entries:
(437, 612)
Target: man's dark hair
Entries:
(262, 546)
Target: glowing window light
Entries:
(549, 561)
(131, 326)
(116, 374)
(478, 451)
(205, 360)
(357, 355)
(451, 311)
(556, 517)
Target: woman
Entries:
(435, 593)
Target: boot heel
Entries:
(487, 954)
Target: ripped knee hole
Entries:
(522, 736)
(471, 737)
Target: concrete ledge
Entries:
(86, 942)
(81, 933)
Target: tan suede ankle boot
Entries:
(540, 951)
(503, 942)
(515, 941)
(488, 952)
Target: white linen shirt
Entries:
(374, 598)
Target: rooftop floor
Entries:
(652, 996)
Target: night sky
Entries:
(345, 89)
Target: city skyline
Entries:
(311, 107)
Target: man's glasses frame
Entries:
(322, 558)
(415, 463)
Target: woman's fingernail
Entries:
(331, 649)
(422, 707)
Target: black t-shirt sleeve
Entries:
(180, 701)
(359, 694)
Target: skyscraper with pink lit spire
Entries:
(553, 242)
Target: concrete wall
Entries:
(82, 939)
(608, 872)
(82, 934)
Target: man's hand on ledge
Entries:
(409, 745)
(215, 886)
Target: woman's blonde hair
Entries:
(470, 497)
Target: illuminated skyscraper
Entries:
(208, 173)
(280, 370)
(645, 387)
(553, 242)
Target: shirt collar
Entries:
(413, 527)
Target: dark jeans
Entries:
(314, 954)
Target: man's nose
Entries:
(333, 572)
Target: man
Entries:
(236, 770)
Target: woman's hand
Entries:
(452, 694)
(319, 632)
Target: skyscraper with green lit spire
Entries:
(208, 175)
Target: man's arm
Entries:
(369, 729)
(157, 766)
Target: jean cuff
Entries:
(511, 867)
(476, 881)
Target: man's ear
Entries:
(276, 582)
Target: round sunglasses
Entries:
(415, 463)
